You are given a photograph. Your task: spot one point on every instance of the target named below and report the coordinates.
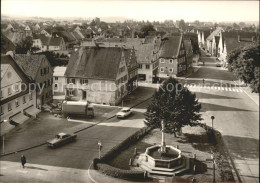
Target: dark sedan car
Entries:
(61, 139)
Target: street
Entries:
(236, 117)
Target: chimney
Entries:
(238, 38)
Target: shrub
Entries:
(119, 173)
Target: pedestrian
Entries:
(23, 160)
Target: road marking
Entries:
(90, 175)
(80, 121)
(229, 89)
(22, 171)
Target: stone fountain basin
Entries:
(173, 159)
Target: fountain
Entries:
(163, 159)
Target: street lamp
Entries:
(5, 121)
(212, 118)
(99, 148)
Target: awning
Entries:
(32, 111)
(18, 119)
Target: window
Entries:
(1, 110)
(170, 69)
(44, 70)
(41, 72)
(161, 69)
(55, 85)
(16, 103)
(9, 106)
(24, 99)
(47, 95)
(162, 60)
(9, 91)
(84, 81)
(56, 78)
(171, 61)
(73, 81)
(1, 94)
(30, 96)
(49, 82)
(16, 87)
(147, 66)
(45, 84)
(140, 66)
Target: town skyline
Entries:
(126, 10)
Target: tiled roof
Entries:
(87, 62)
(59, 71)
(170, 47)
(15, 37)
(149, 39)
(30, 64)
(7, 59)
(55, 41)
(144, 53)
(232, 43)
(76, 35)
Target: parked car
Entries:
(125, 112)
(208, 54)
(61, 139)
(218, 64)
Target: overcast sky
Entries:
(138, 10)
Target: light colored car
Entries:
(125, 112)
(208, 54)
(61, 139)
(218, 64)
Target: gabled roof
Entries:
(15, 37)
(170, 47)
(95, 63)
(55, 41)
(144, 53)
(214, 33)
(7, 59)
(232, 43)
(30, 64)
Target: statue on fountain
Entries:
(162, 149)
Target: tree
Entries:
(24, 46)
(145, 30)
(174, 104)
(245, 64)
(182, 24)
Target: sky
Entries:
(137, 10)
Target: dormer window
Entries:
(171, 61)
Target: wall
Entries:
(48, 77)
(7, 114)
(61, 82)
(166, 72)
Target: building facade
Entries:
(172, 59)
(18, 102)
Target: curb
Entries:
(247, 94)
(14, 152)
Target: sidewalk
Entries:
(13, 172)
(248, 92)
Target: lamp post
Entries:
(212, 118)
(99, 148)
(5, 121)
